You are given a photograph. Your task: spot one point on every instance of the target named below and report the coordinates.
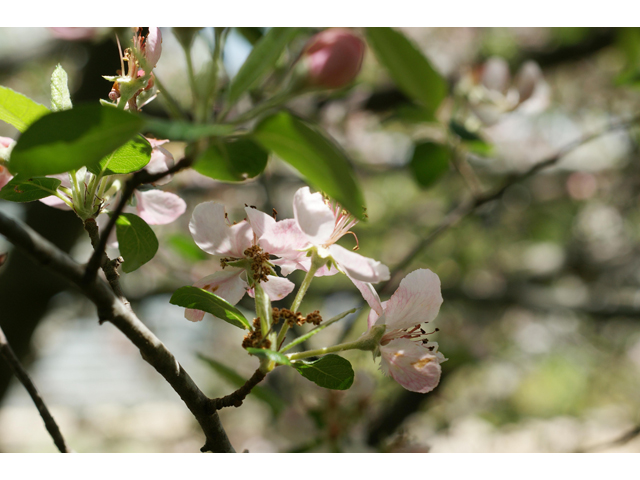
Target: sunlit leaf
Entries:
(330, 371)
(232, 161)
(200, 299)
(137, 242)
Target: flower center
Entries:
(416, 333)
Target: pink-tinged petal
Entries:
(159, 208)
(6, 142)
(227, 284)
(285, 239)
(153, 46)
(161, 161)
(277, 287)
(288, 266)
(211, 233)
(358, 267)
(314, 217)
(411, 365)
(370, 296)
(417, 300)
(259, 221)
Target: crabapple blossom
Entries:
(407, 356)
(322, 225)
(333, 58)
(233, 243)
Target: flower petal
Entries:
(285, 239)
(358, 267)
(417, 300)
(277, 287)
(370, 296)
(258, 220)
(411, 365)
(227, 284)
(314, 217)
(211, 233)
(159, 208)
(161, 160)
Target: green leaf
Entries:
(324, 164)
(232, 161)
(60, 97)
(70, 139)
(137, 242)
(194, 297)
(20, 189)
(330, 371)
(131, 157)
(251, 34)
(276, 357)
(18, 110)
(261, 60)
(264, 394)
(185, 246)
(185, 131)
(408, 67)
(430, 161)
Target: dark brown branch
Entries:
(138, 178)
(236, 398)
(112, 309)
(10, 357)
(468, 207)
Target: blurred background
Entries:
(541, 287)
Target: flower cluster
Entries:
(248, 251)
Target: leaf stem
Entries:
(368, 341)
(318, 329)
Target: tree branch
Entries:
(18, 370)
(111, 308)
(236, 398)
(466, 208)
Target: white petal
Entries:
(370, 296)
(226, 283)
(53, 201)
(358, 267)
(284, 239)
(411, 365)
(161, 160)
(212, 234)
(259, 221)
(495, 74)
(277, 287)
(417, 300)
(314, 217)
(159, 208)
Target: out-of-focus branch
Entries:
(112, 309)
(469, 206)
(138, 178)
(16, 367)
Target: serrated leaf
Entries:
(317, 157)
(131, 157)
(408, 67)
(136, 241)
(330, 371)
(429, 162)
(276, 357)
(21, 190)
(261, 60)
(60, 96)
(18, 110)
(232, 161)
(264, 394)
(185, 131)
(71, 139)
(200, 299)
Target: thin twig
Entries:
(112, 309)
(21, 374)
(236, 398)
(467, 207)
(138, 178)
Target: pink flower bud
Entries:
(333, 58)
(153, 46)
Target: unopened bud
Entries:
(333, 58)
